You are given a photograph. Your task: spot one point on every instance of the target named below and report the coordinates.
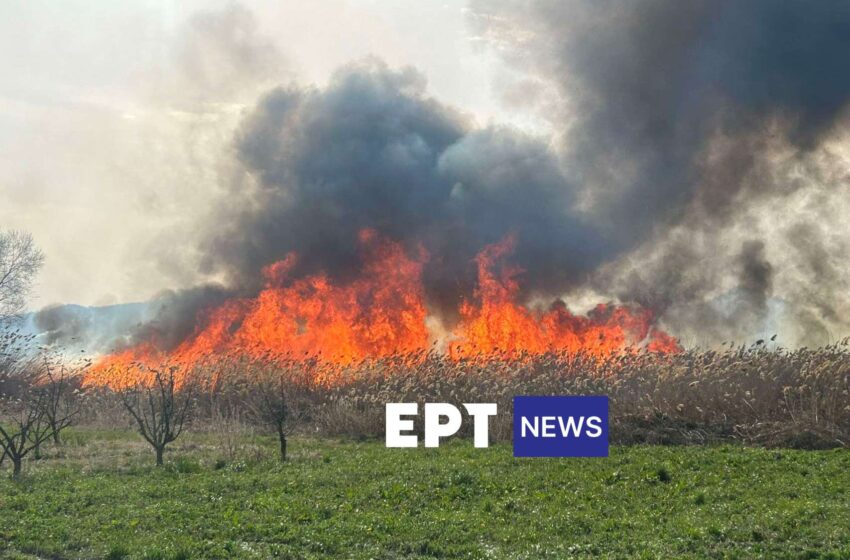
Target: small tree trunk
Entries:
(56, 439)
(159, 451)
(282, 445)
(16, 466)
(37, 451)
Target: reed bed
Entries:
(769, 397)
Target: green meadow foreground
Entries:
(98, 496)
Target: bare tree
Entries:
(61, 397)
(161, 409)
(22, 429)
(20, 261)
(280, 397)
(22, 423)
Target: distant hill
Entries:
(85, 330)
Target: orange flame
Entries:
(382, 313)
(496, 324)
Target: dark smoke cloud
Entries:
(372, 150)
(174, 315)
(74, 328)
(673, 118)
(60, 323)
(756, 274)
(167, 319)
(650, 82)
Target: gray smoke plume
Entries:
(166, 320)
(650, 83)
(74, 329)
(220, 56)
(373, 151)
(700, 133)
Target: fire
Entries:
(379, 314)
(496, 324)
(382, 313)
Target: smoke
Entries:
(705, 137)
(755, 274)
(372, 150)
(220, 57)
(173, 316)
(697, 165)
(74, 329)
(60, 323)
(683, 134)
(165, 320)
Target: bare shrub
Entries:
(231, 432)
(279, 397)
(105, 410)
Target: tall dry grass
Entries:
(771, 397)
(777, 397)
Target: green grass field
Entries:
(98, 497)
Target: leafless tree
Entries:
(280, 397)
(160, 408)
(61, 397)
(22, 426)
(20, 261)
(22, 423)
(22, 429)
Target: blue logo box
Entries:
(561, 426)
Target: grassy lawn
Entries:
(98, 497)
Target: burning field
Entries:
(382, 313)
(364, 219)
(674, 194)
(350, 345)
(412, 280)
(665, 199)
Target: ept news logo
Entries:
(542, 426)
(560, 426)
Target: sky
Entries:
(113, 114)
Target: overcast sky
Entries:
(113, 114)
